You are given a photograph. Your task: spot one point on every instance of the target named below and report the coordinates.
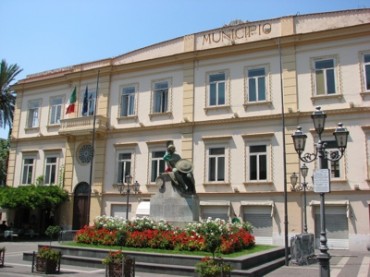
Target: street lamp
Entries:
(127, 190)
(299, 140)
(293, 180)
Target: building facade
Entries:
(229, 99)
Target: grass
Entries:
(254, 249)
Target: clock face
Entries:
(85, 154)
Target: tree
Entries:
(32, 197)
(7, 96)
(4, 153)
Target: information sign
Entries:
(321, 181)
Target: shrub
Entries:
(210, 267)
(49, 254)
(115, 257)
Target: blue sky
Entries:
(41, 35)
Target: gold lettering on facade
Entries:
(240, 33)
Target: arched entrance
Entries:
(80, 206)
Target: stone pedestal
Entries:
(172, 205)
(302, 249)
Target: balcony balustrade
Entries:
(83, 125)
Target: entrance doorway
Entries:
(81, 206)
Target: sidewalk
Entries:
(342, 263)
(14, 266)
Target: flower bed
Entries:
(210, 235)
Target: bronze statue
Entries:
(182, 170)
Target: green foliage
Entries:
(4, 153)
(115, 257)
(40, 180)
(7, 96)
(32, 197)
(52, 231)
(121, 237)
(49, 254)
(61, 176)
(211, 267)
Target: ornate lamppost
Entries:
(125, 189)
(299, 140)
(293, 180)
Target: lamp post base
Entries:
(302, 249)
(324, 261)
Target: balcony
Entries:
(83, 125)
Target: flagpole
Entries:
(93, 145)
(286, 230)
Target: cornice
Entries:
(214, 122)
(107, 67)
(61, 78)
(351, 110)
(362, 30)
(37, 138)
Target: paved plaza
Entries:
(342, 264)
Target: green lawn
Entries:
(254, 249)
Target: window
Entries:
(367, 71)
(325, 77)
(118, 210)
(335, 167)
(257, 163)
(217, 159)
(33, 114)
(157, 164)
(50, 170)
(256, 84)
(55, 110)
(27, 175)
(217, 89)
(128, 101)
(124, 166)
(88, 103)
(258, 157)
(160, 97)
(216, 164)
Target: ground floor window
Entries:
(118, 210)
(215, 209)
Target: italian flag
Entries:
(71, 102)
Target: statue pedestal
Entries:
(172, 205)
(302, 249)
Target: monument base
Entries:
(172, 205)
(302, 249)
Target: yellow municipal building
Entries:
(229, 100)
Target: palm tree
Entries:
(4, 154)
(7, 96)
